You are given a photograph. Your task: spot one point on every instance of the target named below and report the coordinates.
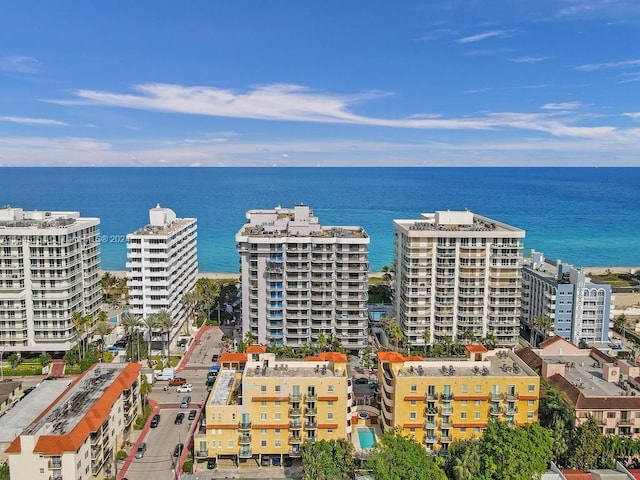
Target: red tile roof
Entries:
(91, 422)
(390, 357)
(233, 357)
(576, 475)
(256, 349)
(476, 348)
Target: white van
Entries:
(185, 402)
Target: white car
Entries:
(186, 388)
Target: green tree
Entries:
(102, 329)
(557, 415)
(14, 360)
(44, 359)
(190, 302)
(396, 457)
(151, 324)
(131, 324)
(328, 460)
(145, 389)
(514, 453)
(426, 337)
(322, 341)
(541, 326)
(463, 461)
(586, 445)
(165, 324)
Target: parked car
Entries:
(211, 463)
(186, 388)
(361, 381)
(179, 418)
(288, 462)
(275, 461)
(178, 450)
(141, 449)
(186, 401)
(176, 381)
(215, 357)
(192, 414)
(155, 421)
(266, 461)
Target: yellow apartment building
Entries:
(440, 400)
(262, 406)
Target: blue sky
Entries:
(330, 83)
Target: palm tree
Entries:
(131, 323)
(80, 322)
(249, 337)
(396, 334)
(165, 324)
(190, 300)
(102, 329)
(542, 325)
(322, 341)
(426, 336)
(150, 323)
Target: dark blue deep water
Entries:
(586, 216)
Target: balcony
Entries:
(494, 411)
(295, 440)
(55, 476)
(447, 411)
(445, 425)
(245, 453)
(244, 440)
(294, 452)
(496, 397)
(511, 410)
(625, 422)
(295, 398)
(446, 397)
(431, 410)
(446, 438)
(429, 425)
(430, 439)
(311, 397)
(295, 425)
(513, 396)
(295, 412)
(431, 397)
(311, 411)
(202, 454)
(55, 463)
(311, 425)
(244, 426)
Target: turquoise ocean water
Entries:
(587, 216)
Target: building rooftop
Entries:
(163, 230)
(455, 221)
(15, 218)
(30, 407)
(586, 373)
(222, 388)
(498, 363)
(287, 368)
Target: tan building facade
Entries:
(262, 406)
(458, 274)
(437, 401)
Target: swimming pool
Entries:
(366, 436)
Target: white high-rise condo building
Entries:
(301, 279)
(162, 265)
(458, 275)
(49, 269)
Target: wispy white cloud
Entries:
(561, 106)
(297, 103)
(483, 36)
(33, 121)
(19, 64)
(630, 77)
(528, 59)
(601, 66)
(437, 35)
(633, 115)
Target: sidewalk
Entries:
(184, 361)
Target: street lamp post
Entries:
(1, 365)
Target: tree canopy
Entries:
(396, 457)
(328, 460)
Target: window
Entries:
(263, 388)
(463, 403)
(277, 388)
(330, 388)
(263, 404)
(263, 443)
(412, 430)
(478, 403)
(531, 403)
(413, 415)
(530, 415)
(476, 429)
(277, 431)
(465, 388)
(413, 403)
(611, 414)
(532, 387)
(463, 415)
(263, 416)
(277, 416)
(414, 388)
(278, 443)
(478, 388)
(476, 415)
(263, 431)
(230, 444)
(330, 416)
(463, 430)
(330, 403)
